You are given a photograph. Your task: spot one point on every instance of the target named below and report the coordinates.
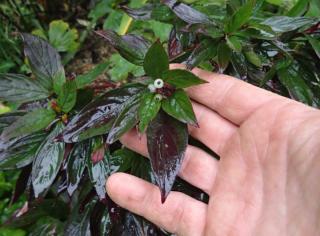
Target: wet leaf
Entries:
(241, 16)
(29, 123)
(19, 88)
(47, 162)
(148, 109)
(179, 106)
(7, 119)
(126, 120)
(99, 173)
(182, 78)
(167, 140)
(44, 60)
(206, 50)
(224, 55)
(97, 117)
(68, 96)
(76, 165)
(132, 47)
(156, 61)
(282, 24)
(20, 152)
(187, 13)
(296, 86)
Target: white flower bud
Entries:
(158, 83)
(158, 97)
(152, 88)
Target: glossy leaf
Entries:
(132, 47)
(296, 86)
(182, 78)
(206, 50)
(29, 123)
(223, 55)
(187, 13)
(19, 152)
(315, 43)
(76, 165)
(68, 96)
(44, 60)
(241, 16)
(126, 120)
(167, 140)
(98, 116)
(179, 106)
(282, 24)
(156, 61)
(143, 13)
(7, 119)
(148, 109)
(47, 162)
(86, 79)
(99, 173)
(19, 88)
(239, 63)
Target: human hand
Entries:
(266, 182)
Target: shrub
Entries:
(65, 134)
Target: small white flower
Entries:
(158, 97)
(158, 83)
(152, 88)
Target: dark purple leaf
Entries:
(175, 47)
(30, 106)
(143, 13)
(97, 117)
(76, 165)
(99, 220)
(21, 183)
(44, 60)
(20, 152)
(131, 47)
(126, 120)
(47, 162)
(187, 13)
(167, 142)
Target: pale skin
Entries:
(267, 179)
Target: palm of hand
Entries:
(264, 183)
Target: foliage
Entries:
(64, 136)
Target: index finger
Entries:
(232, 98)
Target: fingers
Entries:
(180, 214)
(231, 98)
(198, 167)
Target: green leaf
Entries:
(47, 162)
(86, 79)
(44, 60)
(241, 16)
(234, 43)
(68, 96)
(167, 140)
(8, 118)
(126, 120)
(315, 43)
(29, 123)
(179, 106)
(59, 80)
(148, 109)
(300, 8)
(223, 56)
(182, 78)
(20, 152)
(156, 61)
(296, 86)
(62, 37)
(282, 24)
(253, 58)
(19, 88)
